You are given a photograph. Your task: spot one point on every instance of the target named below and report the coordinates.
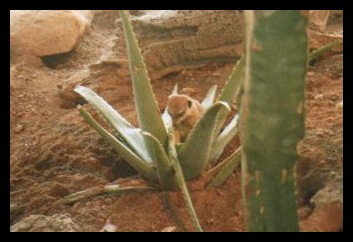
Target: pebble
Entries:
(339, 105)
(108, 227)
(169, 229)
(310, 74)
(18, 128)
(319, 97)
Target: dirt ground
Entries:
(53, 152)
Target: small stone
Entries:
(108, 227)
(18, 128)
(169, 229)
(42, 223)
(319, 97)
(339, 105)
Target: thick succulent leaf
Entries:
(126, 153)
(126, 131)
(223, 139)
(165, 170)
(230, 91)
(209, 99)
(180, 181)
(167, 120)
(147, 110)
(194, 154)
(233, 84)
(272, 117)
(225, 169)
(320, 51)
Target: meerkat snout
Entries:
(185, 113)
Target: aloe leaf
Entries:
(225, 169)
(318, 52)
(194, 153)
(167, 120)
(126, 131)
(223, 139)
(126, 153)
(233, 84)
(231, 90)
(272, 117)
(148, 113)
(180, 179)
(165, 170)
(209, 99)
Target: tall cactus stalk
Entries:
(272, 118)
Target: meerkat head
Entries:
(178, 105)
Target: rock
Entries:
(317, 40)
(331, 193)
(18, 128)
(339, 105)
(326, 218)
(318, 19)
(13, 207)
(319, 97)
(15, 211)
(42, 223)
(44, 32)
(169, 229)
(173, 40)
(108, 227)
(328, 207)
(311, 179)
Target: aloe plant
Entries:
(149, 148)
(146, 147)
(272, 118)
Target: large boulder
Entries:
(47, 32)
(42, 223)
(173, 40)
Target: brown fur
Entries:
(185, 113)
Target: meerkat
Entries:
(185, 112)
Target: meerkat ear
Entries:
(189, 103)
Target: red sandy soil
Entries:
(54, 152)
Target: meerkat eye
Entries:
(189, 103)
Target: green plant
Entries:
(150, 149)
(272, 117)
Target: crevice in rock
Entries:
(57, 60)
